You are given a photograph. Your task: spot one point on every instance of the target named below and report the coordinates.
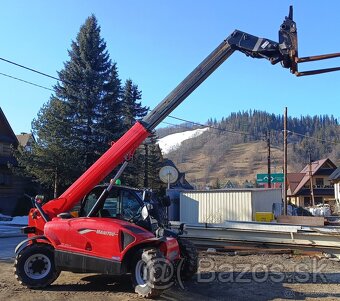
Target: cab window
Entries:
(111, 206)
(89, 203)
(131, 207)
(119, 204)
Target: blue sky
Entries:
(158, 43)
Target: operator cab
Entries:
(122, 202)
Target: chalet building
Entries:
(301, 192)
(12, 187)
(25, 141)
(335, 179)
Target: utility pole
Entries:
(269, 173)
(55, 192)
(285, 161)
(146, 166)
(311, 179)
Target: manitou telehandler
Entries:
(101, 239)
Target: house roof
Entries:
(6, 132)
(24, 139)
(335, 175)
(293, 180)
(315, 167)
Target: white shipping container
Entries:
(217, 206)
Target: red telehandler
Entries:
(99, 240)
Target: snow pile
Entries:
(321, 211)
(17, 220)
(173, 141)
(5, 218)
(20, 220)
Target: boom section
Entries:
(116, 154)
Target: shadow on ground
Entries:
(223, 286)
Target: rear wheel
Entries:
(34, 266)
(150, 273)
(189, 266)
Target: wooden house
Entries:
(12, 187)
(312, 183)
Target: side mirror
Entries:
(145, 212)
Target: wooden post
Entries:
(311, 180)
(55, 193)
(285, 161)
(269, 173)
(146, 166)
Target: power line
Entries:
(25, 81)
(314, 138)
(209, 126)
(245, 134)
(33, 70)
(177, 118)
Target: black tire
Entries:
(150, 273)
(189, 266)
(34, 266)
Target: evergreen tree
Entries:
(132, 108)
(50, 160)
(143, 168)
(152, 163)
(75, 127)
(91, 89)
(109, 127)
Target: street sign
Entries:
(274, 178)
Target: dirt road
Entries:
(221, 277)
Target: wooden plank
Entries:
(301, 220)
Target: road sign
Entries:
(274, 178)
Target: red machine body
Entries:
(102, 237)
(117, 153)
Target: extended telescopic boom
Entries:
(284, 51)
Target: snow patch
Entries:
(173, 141)
(17, 220)
(5, 218)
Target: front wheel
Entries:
(189, 253)
(150, 273)
(34, 266)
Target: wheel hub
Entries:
(141, 272)
(37, 266)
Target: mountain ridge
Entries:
(235, 149)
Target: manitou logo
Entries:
(101, 232)
(108, 233)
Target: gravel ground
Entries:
(221, 277)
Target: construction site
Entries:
(99, 239)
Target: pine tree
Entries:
(110, 127)
(91, 89)
(132, 110)
(152, 163)
(50, 160)
(75, 127)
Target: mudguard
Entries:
(33, 239)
